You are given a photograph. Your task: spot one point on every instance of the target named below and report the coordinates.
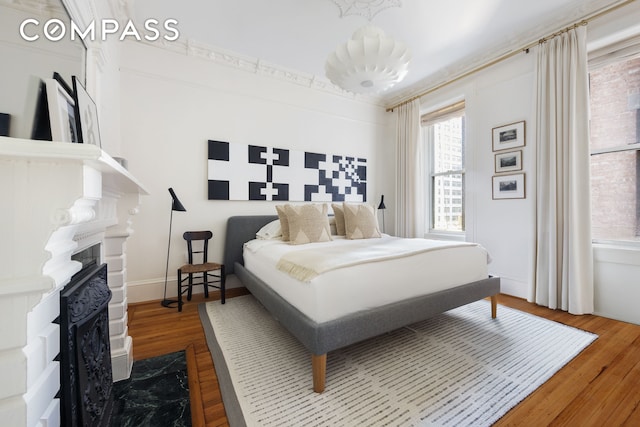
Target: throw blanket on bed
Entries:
(305, 264)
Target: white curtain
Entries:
(410, 172)
(564, 257)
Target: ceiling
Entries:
(445, 37)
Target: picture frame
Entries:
(62, 115)
(509, 186)
(509, 136)
(508, 161)
(86, 115)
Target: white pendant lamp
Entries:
(370, 62)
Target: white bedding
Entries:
(341, 291)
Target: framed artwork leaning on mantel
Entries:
(86, 115)
(62, 114)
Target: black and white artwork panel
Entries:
(254, 172)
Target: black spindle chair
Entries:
(203, 271)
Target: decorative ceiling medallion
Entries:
(365, 8)
(370, 62)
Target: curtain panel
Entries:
(410, 172)
(564, 256)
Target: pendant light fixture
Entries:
(371, 61)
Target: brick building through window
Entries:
(615, 150)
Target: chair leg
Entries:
(179, 290)
(205, 282)
(190, 287)
(222, 282)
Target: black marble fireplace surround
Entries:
(85, 355)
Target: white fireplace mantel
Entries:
(57, 198)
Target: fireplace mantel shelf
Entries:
(90, 155)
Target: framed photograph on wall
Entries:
(509, 161)
(509, 187)
(86, 115)
(62, 115)
(508, 136)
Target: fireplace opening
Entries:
(85, 352)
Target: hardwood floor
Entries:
(597, 388)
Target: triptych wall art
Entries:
(253, 172)
(505, 139)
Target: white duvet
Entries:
(354, 285)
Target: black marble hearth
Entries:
(156, 395)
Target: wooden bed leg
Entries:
(494, 306)
(319, 364)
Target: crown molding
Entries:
(52, 8)
(569, 16)
(120, 9)
(257, 66)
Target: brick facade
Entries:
(615, 122)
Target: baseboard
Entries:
(122, 361)
(153, 290)
(513, 287)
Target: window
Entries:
(615, 149)
(444, 136)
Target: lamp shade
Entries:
(370, 62)
(176, 205)
(381, 205)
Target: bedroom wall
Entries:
(172, 103)
(502, 94)
(497, 96)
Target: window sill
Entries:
(443, 235)
(618, 244)
(627, 253)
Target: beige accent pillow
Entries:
(332, 226)
(284, 224)
(338, 213)
(360, 221)
(308, 223)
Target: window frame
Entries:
(624, 50)
(451, 110)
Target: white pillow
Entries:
(272, 230)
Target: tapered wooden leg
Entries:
(494, 306)
(319, 364)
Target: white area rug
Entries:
(459, 368)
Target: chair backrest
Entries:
(195, 236)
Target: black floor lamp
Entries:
(382, 207)
(175, 206)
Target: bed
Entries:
(342, 328)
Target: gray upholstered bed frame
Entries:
(321, 338)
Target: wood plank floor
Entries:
(597, 388)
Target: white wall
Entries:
(502, 94)
(171, 104)
(497, 96)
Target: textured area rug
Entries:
(458, 368)
(156, 394)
